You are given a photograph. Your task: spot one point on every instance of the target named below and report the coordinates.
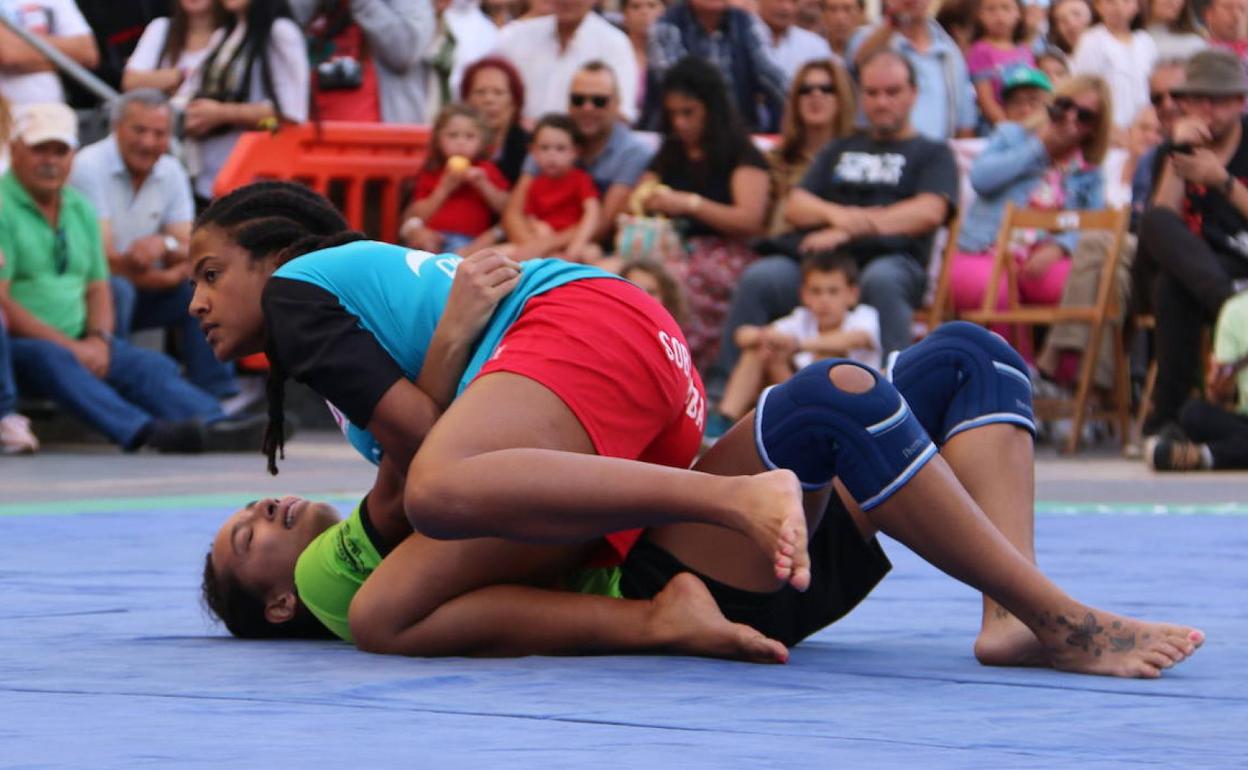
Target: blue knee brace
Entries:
(963, 376)
(870, 440)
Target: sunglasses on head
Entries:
(824, 88)
(1064, 104)
(578, 100)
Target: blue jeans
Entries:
(141, 385)
(894, 286)
(8, 386)
(137, 310)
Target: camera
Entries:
(341, 73)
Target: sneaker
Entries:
(1165, 455)
(239, 434)
(181, 437)
(16, 437)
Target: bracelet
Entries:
(1229, 185)
(103, 334)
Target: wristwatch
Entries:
(103, 334)
(1228, 186)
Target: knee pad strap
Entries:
(871, 440)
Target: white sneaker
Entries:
(16, 437)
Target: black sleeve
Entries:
(938, 174)
(317, 342)
(752, 156)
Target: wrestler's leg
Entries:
(995, 464)
(484, 597)
(510, 459)
(935, 516)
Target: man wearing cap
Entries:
(54, 292)
(143, 199)
(1197, 229)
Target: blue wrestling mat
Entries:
(107, 660)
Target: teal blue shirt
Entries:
(397, 296)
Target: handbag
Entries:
(641, 236)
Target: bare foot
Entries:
(1090, 641)
(1005, 641)
(774, 518)
(686, 614)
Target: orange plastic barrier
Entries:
(366, 169)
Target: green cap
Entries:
(1025, 77)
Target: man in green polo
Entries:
(55, 295)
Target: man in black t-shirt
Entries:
(1197, 228)
(880, 195)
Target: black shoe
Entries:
(237, 434)
(1164, 455)
(185, 437)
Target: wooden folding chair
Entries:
(941, 308)
(1099, 316)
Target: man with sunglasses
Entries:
(1197, 230)
(613, 155)
(1166, 76)
(55, 294)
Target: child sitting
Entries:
(1213, 434)
(658, 282)
(561, 206)
(829, 322)
(458, 193)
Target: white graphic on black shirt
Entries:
(870, 168)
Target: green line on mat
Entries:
(231, 500)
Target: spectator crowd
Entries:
(776, 172)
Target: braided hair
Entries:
(278, 221)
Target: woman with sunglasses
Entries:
(1047, 155)
(820, 108)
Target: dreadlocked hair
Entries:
(278, 221)
(243, 612)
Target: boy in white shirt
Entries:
(828, 322)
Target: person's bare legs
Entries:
(996, 465)
(938, 519)
(483, 597)
(744, 384)
(509, 459)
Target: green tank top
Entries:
(334, 566)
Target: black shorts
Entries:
(844, 569)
